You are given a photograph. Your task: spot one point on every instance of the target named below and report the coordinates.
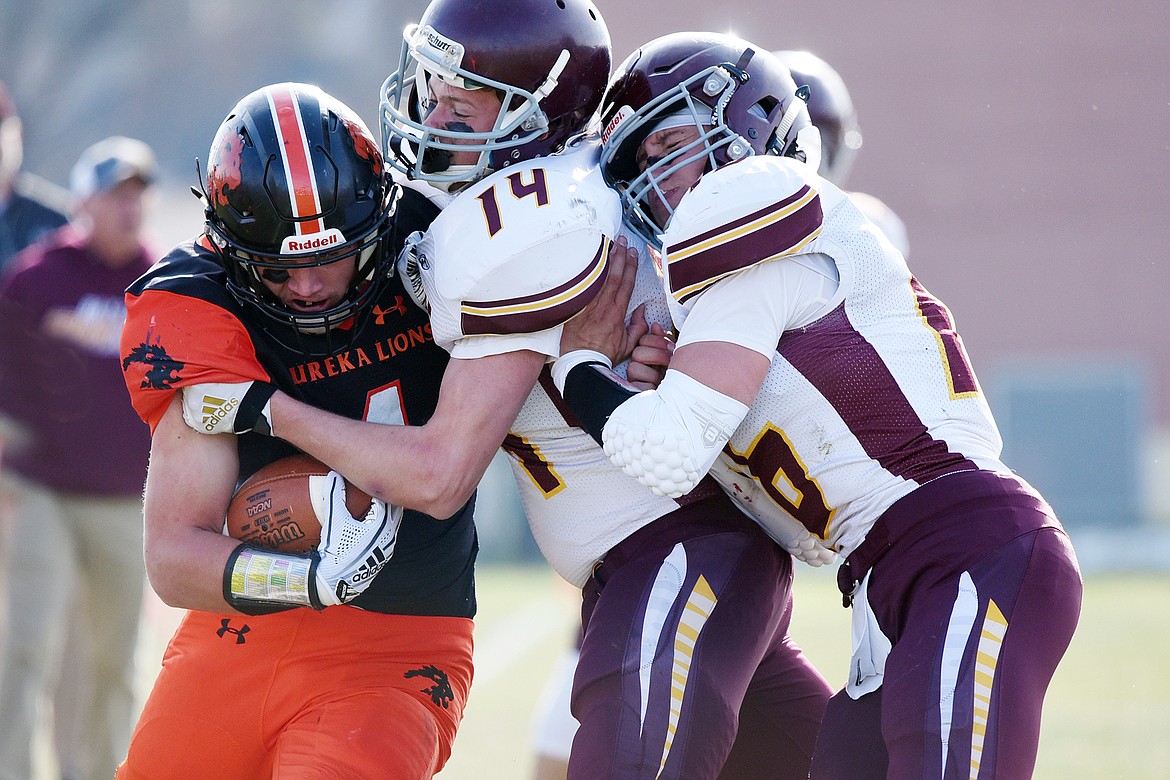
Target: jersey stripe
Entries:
(990, 643)
(780, 229)
(871, 402)
(295, 156)
(540, 311)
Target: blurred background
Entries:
(1025, 146)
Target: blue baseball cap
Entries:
(110, 162)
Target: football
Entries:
(273, 509)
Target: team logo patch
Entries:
(440, 693)
(162, 371)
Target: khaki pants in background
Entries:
(74, 564)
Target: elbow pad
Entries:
(669, 438)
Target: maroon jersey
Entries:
(59, 370)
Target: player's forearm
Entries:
(186, 570)
(404, 465)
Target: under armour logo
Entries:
(440, 693)
(399, 307)
(226, 628)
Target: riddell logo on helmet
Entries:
(293, 245)
(623, 113)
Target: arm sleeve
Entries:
(592, 391)
(170, 341)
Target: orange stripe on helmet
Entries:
(298, 170)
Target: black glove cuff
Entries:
(592, 392)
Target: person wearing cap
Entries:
(78, 471)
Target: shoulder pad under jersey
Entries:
(760, 208)
(523, 250)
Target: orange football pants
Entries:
(340, 693)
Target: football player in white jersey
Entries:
(831, 111)
(687, 669)
(821, 384)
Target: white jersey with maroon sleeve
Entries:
(869, 394)
(516, 254)
(505, 264)
(579, 505)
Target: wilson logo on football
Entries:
(216, 409)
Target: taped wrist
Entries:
(257, 581)
(591, 389)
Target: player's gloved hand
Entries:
(410, 263)
(239, 407)
(352, 550)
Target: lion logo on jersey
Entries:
(162, 370)
(440, 693)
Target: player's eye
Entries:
(274, 275)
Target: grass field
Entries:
(1107, 714)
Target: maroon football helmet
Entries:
(740, 97)
(547, 59)
(831, 111)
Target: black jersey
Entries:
(183, 327)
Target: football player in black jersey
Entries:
(354, 658)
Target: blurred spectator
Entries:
(78, 472)
(30, 207)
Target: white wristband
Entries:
(570, 360)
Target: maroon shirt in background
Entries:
(60, 371)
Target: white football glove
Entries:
(216, 407)
(352, 551)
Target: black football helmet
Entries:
(831, 110)
(294, 180)
(739, 96)
(547, 59)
